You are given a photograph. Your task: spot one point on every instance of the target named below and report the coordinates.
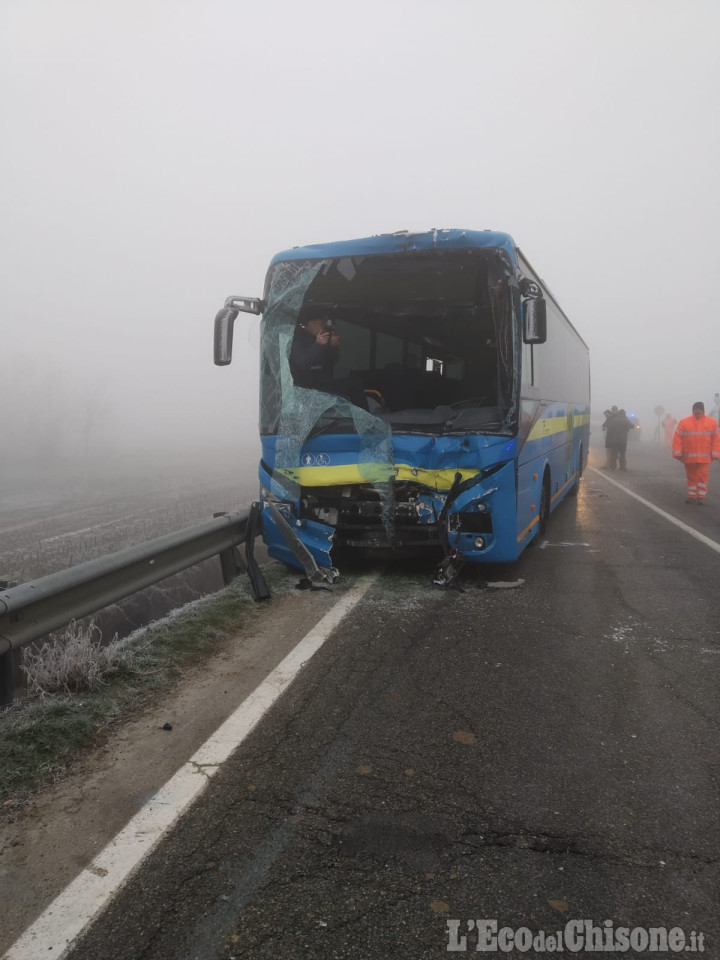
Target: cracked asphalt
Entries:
(536, 753)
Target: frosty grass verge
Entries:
(78, 687)
(75, 661)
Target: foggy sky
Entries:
(157, 153)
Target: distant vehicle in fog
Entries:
(636, 432)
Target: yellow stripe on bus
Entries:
(351, 473)
(528, 528)
(549, 426)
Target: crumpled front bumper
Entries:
(479, 522)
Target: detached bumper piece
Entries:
(318, 578)
(258, 585)
(448, 571)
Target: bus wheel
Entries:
(544, 513)
(573, 491)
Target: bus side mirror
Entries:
(224, 323)
(535, 321)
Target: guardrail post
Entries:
(9, 661)
(258, 585)
(231, 564)
(7, 677)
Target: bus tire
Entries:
(573, 491)
(544, 512)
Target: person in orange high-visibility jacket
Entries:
(697, 443)
(669, 424)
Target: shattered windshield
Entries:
(295, 411)
(419, 342)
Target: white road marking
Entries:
(82, 900)
(667, 516)
(563, 543)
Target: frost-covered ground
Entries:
(50, 520)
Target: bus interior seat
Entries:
(407, 389)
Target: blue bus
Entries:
(419, 393)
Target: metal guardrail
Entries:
(34, 609)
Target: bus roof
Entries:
(402, 242)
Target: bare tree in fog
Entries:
(51, 420)
(96, 418)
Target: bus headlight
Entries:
(479, 543)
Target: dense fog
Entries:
(156, 155)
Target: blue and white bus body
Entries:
(554, 430)
(477, 422)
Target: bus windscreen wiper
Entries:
(319, 428)
(472, 402)
(475, 415)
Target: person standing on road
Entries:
(608, 414)
(697, 444)
(616, 434)
(669, 424)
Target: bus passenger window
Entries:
(388, 350)
(355, 348)
(414, 356)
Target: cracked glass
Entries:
(413, 343)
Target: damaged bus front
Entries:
(418, 392)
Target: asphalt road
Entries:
(533, 754)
